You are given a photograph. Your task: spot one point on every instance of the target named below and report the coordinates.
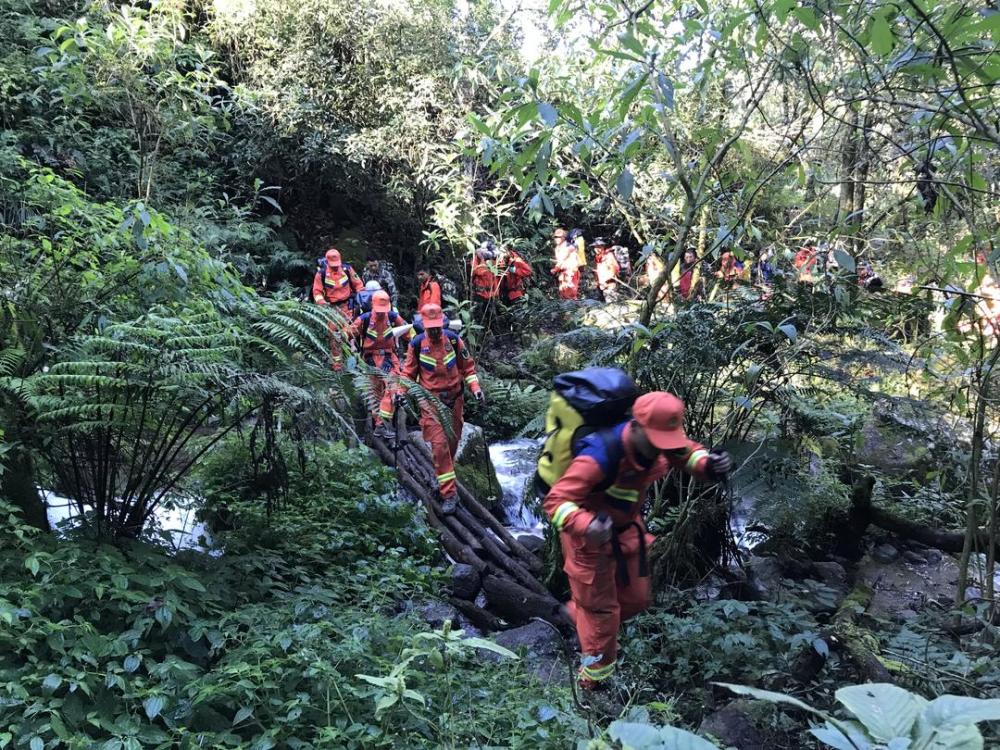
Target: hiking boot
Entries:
(449, 504)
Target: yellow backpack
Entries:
(583, 402)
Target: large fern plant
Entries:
(127, 412)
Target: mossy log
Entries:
(856, 642)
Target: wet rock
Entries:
(465, 582)
(765, 578)
(534, 544)
(475, 470)
(914, 558)
(885, 553)
(539, 646)
(907, 615)
(933, 556)
(891, 449)
(436, 614)
(833, 574)
(733, 728)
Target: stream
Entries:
(514, 461)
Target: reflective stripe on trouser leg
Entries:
(434, 434)
(597, 615)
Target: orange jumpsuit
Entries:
(607, 271)
(428, 294)
(518, 271)
(336, 287)
(442, 367)
(485, 281)
(567, 269)
(609, 584)
(378, 349)
(805, 263)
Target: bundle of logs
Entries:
(507, 570)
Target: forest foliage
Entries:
(169, 174)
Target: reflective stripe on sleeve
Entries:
(470, 379)
(562, 514)
(622, 493)
(694, 458)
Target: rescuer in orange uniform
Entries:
(438, 360)
(567, 265)
(428, 290)
(336, 284)
(516, 271)
(596, 506)
(373, 330)
(606, 270)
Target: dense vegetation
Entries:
(169, 174)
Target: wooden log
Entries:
(481, 618)
(505, 561)
(517, 604)
(522, 552)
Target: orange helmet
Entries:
(333, 257)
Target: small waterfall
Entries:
(514, 461)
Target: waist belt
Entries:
(621, 562)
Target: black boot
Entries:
(449, 504)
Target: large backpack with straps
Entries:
(583, 402)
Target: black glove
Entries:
(719, 465)
(481, 398)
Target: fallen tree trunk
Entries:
(846, 634)
(946, 541)
(518, 605)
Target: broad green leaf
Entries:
(489, 646)
(548, 114)
(386, 701)
(131, 663)
(242, 715)
(633, 735)
(887, 711)
(951, 710)
(830, 735)
(881, 36)
(770, 696)
(844, 259)
(153, 705)
(52, 681)
(37, 743)
(790, 331)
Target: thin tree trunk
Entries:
(17, 484)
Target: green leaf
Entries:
(844, 259)
(51, 682)
(625, 183)
(882, 38)
(153, 705)
(548, 114)
(242, 715)
(790, 331)
(386, 701)
(131, 663)
(36, 743)
(951, 710)
(886, 710)
(635, 736)
(629, 41)
(769, 695)
(31, 564)
(489, 646)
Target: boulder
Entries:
(885, 553)
(765, 578)
(540, 647)
(733, 728)
(892, 449)
(833, 574)
(914, 558)
(436, 614)
(475, 470)
(465, 581)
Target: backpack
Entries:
(365, 299)
(575, 237)
(583, 402)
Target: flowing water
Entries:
(514, 461)
(174, 521)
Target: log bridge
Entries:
(508, 571)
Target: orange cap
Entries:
(333, 257)
(381, 302)
(432, 316)
(661, 416)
